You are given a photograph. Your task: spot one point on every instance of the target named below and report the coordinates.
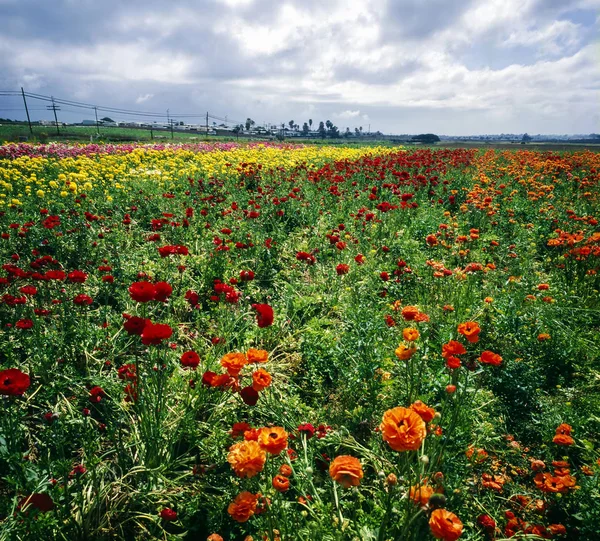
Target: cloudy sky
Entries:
(401, 66)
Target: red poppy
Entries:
(168, 514)
(96, 394)
(489, 357)
(13, 382)
(249, 395)
(41, 502)
(264, 315)
(190, 359)
(155, 333)
(77, 277)
(83, 300)
(24, 324)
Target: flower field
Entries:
(289, 342)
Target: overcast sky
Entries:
(402, 66)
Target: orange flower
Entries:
(420, 494)
(243, 507)
(470, 330)
(410, 334)
(409, 313)
(214, 537)
(452, 348)
(233, 363)
(273, 440)
(403, 353)
(563, 435)
(261, 379)
(445, 525)
(403, 429)
(423, 410)
(489, 357)
(246, 458)
(546, 482)
(257, 356)
(281, 483)
(285, 470)
(346, 470)
(543, 336)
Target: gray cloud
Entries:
(406, 65)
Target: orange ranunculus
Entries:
(243, 507)
(261, 379)
(273, 440)
(489, 357)
(346, 470)
(452, 348)
(546, 482)
(420, 494)
(234, 362)
(246, 458)
(286, 470)
(281, 483)
(257, 356)
(403, 353)
(423, 410)
(409, 313)
(403, 429)
(410, 334)
(563, 435)
(470, 330)
(445, 525)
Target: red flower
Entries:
(307, 429)
(41, 502)
(135, 324)
(190, 359)
(162, 291)
(168, 515)
(13, 382)
(77, 277)
(264, 315)
(249, 395)
(342, 268)
(246, 275)
(192, 298)
(24, 324)
(142, 291)
(83, 300)
(489, 357)
(96, 394)
(154, 333)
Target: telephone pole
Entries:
(97, 125)
(207, 124)
(27, 111)
(54, 108)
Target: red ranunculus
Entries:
(154, 333)
(41, 502)
(135, 324)
(168, 515)
(249, 395)
(190, 359)
(13, 382)
(142, 291)
(162, 291)
(83, 300)
(264, 315)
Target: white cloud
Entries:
(143, 98)
(348, 114)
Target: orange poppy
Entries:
(403, 429)
(281, 483)
(403, 353)
(445, 525)
(409, 313)
(423, 410)
(261, 379)
(246, 458)
(410, 334)
(346, 470)
(233, 363)
(273, 440)
(257, 356)
(243, 507)
(470, 330)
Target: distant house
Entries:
(88, 122)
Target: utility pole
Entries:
(168, 121)
(54, 108)
(207, 124)
(172, 122)
(27, 111)
(97, 125)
